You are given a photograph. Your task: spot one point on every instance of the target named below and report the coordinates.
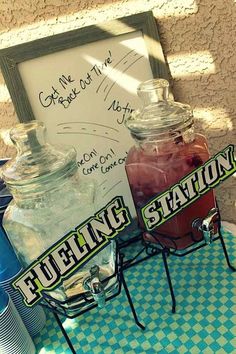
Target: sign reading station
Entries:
(189, 189)
(72, 251)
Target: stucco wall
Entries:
(198, 39)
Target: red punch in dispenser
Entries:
(167, 149)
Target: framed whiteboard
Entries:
(82, 85)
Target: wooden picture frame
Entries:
(12, 56)
(40, 76)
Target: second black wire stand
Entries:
(154, 248)
(86, 303)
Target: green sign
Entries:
(190, 188)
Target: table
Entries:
(204, 322)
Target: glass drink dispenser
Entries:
(166, 149)
(49, 200)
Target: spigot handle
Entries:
(208, 220)
(206, 225)
(95, 286)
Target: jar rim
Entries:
(159, 113)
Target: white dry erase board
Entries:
(82, 84)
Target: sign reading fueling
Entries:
(72, 251)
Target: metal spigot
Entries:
(94, 285)
(206, 225)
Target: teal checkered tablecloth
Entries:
(204, 322)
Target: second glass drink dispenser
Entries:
(166, 149)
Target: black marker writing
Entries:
(67, 101)
(98, 69)
(50, 99)
(125, 110)
(85, 82)
(86, 157)
(113, 164)
(65, 80)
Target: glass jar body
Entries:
(35, 222)
(154, 166)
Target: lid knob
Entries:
(153, 91)
(28, 137)
(159, 113)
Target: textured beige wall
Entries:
(198, 39)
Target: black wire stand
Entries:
(147, 250)
(153, 248)
(87, 303)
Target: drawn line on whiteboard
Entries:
(102, 183)
(105, 88)
(121, 73)
(112, 188)
(93, 123)
(101, 136)
(105, 77)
